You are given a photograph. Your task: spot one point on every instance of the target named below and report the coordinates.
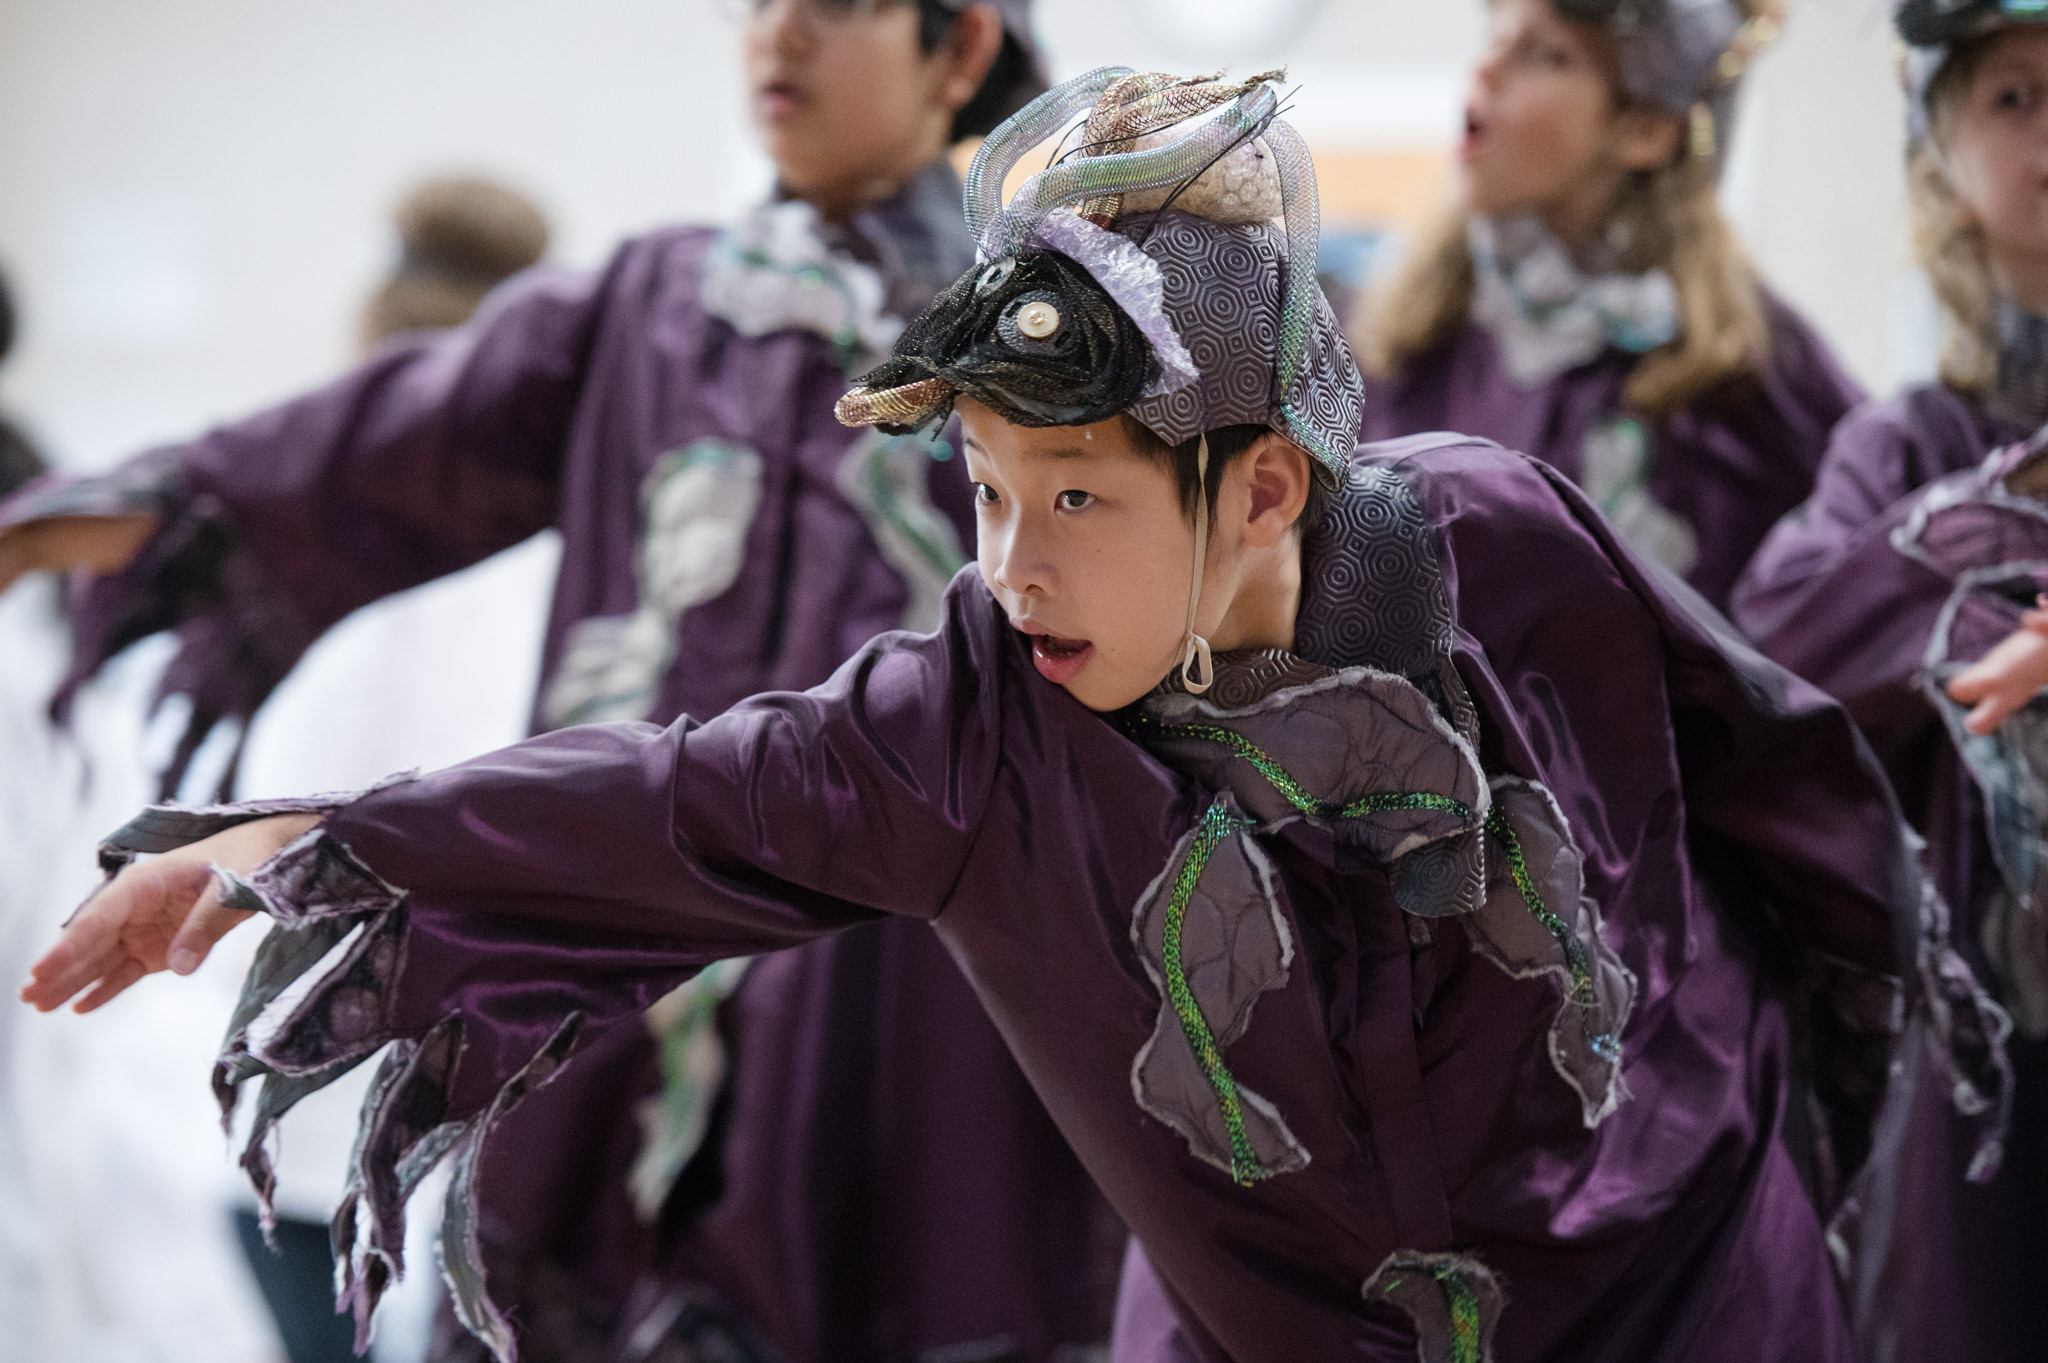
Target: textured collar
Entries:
(782, 267)
(1548, 315)
(2021, 395)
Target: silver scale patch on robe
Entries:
(1342, 736)
(1235, 946)
(1443, 1294)
(884, 477)
(1584, 1040)
(1614, 470)
(697, 505)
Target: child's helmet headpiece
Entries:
(1141, 272)
(1930, 29)
(1684, 56)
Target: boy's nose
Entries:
(1017, 568)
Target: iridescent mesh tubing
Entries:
(1025, 129)
(1094, 177)
(1303, 209)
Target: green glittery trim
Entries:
(1292, 790)
(1218, 824)
(1464, 1303)
(1604, 1044)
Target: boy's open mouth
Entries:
(1060, 660)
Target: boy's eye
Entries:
(1546, 56)
(1075, 500)
(984, 495)
(2015, 97)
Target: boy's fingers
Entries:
(125, 974)
(209, 921)
(1991, 712)
(1968, 686)
(89, 948)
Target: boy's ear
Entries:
(1276, 474)
(971, 47)
(1645, 139)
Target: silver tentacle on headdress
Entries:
(1027, 128)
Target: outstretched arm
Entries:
(478, 924)
(164, 914)
(1997, 685)
(258, 536)
(67, 544)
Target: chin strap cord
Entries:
(1197, 671)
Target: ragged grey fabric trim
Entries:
(338, 944)
(1235, 945)
(1346, 735)
(1987, 541)
(1454, 1300)
(1585, 1038)
(462, 1263)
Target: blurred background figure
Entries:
(458, 237)
(19, 460)
(1587, 301)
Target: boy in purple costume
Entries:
(883, 1183)
(1412, 967)
(1588, 304)
(1916, 556)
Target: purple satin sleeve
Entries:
(1779, 788)
(1845, 593)
(431, 456)
(1149, 1327)
(482, 923)
(1771, 765)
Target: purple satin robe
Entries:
(1850, 591)
(889, 1185)
(1408, 1100)
(1728, 466)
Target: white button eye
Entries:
(1038, 320)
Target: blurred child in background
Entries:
(458, 238)
(1902, 586)
(1588, 303)
(873, 1178)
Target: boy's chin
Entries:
(1106, 696)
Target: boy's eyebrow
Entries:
(1054, 452)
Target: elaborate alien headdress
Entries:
(1142, 272)
(1686, 56)
(1930, 30)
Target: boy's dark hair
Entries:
(1226, 443)
(1011, 83)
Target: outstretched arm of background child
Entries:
(2007, 677)
(163, 914)
(62, 544)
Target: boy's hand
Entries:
(62, 544)
(164, 913)
(2007, 677)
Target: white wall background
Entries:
(192, 195)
